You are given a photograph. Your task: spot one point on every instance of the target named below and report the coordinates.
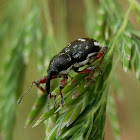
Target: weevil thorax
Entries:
(59, 63)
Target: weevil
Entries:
(81, 52)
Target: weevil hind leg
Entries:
(84, 71)
(101, 55)
(92, 70)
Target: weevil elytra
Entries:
(81, 52)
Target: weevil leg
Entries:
(37, 83)
(88, 70)
(100, 70)
(62, 85)
(43, 81)
(70, 77)
(92, 70)
(85, 71)
(101, 55)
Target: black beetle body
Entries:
(73, 56)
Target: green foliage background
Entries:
(31, 32)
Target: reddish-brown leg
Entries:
(92, 70)
(37, 83)
(43, 81)
(62, 85)
(101, 55)
(87, 70)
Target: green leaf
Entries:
(127, 43)
(100, 25)
(78, 136)
(80, 133)
(66, 119)
(90, 128)
(52, 134)
(116, 85)
(90, 17)
(71, 131)
(112, 112)
(39, 103)
(45, 116)
(77, 110)
(60, 129)
(50, 124)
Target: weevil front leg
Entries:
(37, 83)
(43, 81)
(63, 83)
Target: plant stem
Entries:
(135, 4)
(45, 4)
(120, 31)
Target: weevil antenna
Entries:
(19, 100)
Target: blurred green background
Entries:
(69, 24)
